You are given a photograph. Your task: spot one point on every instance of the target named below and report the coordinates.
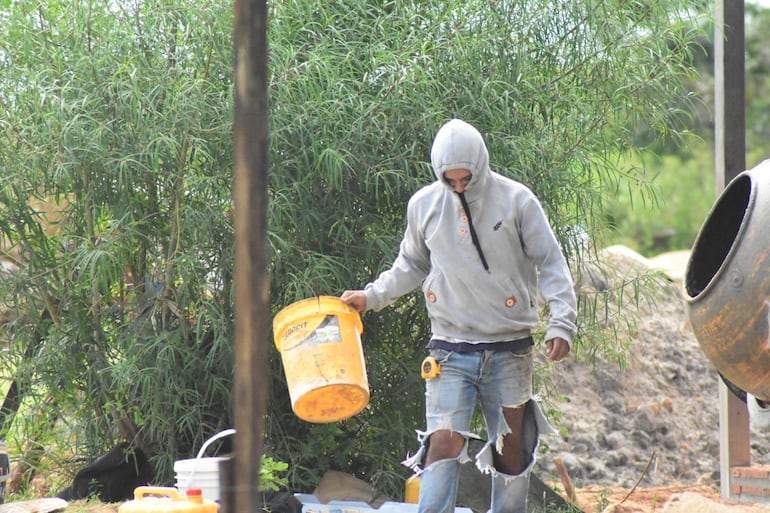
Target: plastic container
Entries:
(320, 344)
(157, 499)
(199, 472)
(412, 490)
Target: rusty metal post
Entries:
(730, 160)
(252, 301)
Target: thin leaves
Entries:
(125, 114)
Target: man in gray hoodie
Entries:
(482, 249)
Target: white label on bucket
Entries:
(327, 331)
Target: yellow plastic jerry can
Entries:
(412, 490)
(160, 499)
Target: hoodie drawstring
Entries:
(474, 237)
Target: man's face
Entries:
(458, 179)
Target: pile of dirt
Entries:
(653, 425)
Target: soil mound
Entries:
(653, 423)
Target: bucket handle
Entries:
(159, 491)
(201, 452)
(221, 434)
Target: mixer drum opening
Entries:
(718, 235)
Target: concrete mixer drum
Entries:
(727, 282)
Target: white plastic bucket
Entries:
(200, 472)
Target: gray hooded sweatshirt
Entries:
(465, 302)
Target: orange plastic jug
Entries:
(160, 499)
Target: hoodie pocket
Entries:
(515, 302)
(427, 290)
(515, 296)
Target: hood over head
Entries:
(459, 145)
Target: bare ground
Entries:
(645, 438)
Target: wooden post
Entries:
(734, 447)
(730, 160)
(252, 301)
(729, 91)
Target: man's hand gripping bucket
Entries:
(200, 472)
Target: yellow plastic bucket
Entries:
(320, 344)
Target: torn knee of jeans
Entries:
(417, 461)
(485, 462)
(502, 430)
(534, 424)
(528, 422)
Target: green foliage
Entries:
(270, 471)
(115, 208)
(667, 213)
(757, 83)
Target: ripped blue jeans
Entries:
(497, 379)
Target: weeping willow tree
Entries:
(116, 221)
